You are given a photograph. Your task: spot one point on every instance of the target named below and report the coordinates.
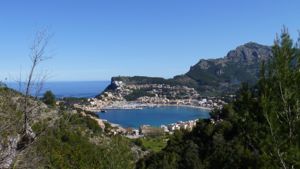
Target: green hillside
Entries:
(63, 138)
(260, 129)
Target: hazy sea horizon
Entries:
(79, 89)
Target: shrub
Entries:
(49, 98)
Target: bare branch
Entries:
(37, 55)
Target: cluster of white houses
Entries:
(204, 102)
(160, 94)
(185, 125)
(147, 130)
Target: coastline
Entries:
(103, 105)
(150, 107)
(135, 106)
(190, 106)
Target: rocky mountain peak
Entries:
(225, 74)
(213, 76)
(249, 53)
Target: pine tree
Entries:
(279, 100)
(49, 98)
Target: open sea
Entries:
(83, 89)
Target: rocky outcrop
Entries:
(249, 53)
(138, 152)
(8, 149)
(224, 75)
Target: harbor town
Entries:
(156, 95)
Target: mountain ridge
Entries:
(213, 77)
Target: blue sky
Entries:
(95, 40)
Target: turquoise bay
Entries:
(153, 116)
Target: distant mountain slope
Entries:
(212, 77)
(215, 76)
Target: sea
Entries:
(79, 89)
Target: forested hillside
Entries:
(260, 129)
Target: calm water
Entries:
(153, 116)
(71, 89)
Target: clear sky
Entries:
(95, 40)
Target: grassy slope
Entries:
(154, 144)
(77, 142)
(64, 139)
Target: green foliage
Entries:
(49, 98)
(78, 142)
(138, 93)
(64, 140)
(140, 80)
(153, 144)
(39, 126)
(10, 114)
(69, 101)
(260, 129)
(108, 127)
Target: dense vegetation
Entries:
(138, 93)
(78, 142)
(64, 138)
(140, 80)
(154, 144)
(75, 141)
(258, 130)
(49, 98)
